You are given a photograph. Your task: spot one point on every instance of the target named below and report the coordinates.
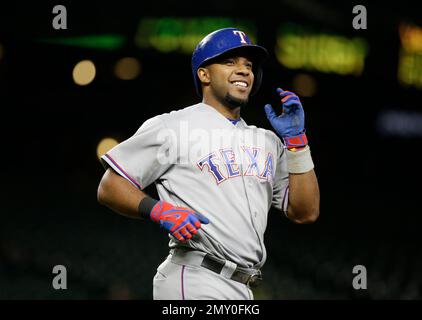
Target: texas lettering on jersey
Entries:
(223, 164)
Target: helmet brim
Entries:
(256, 53)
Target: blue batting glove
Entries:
(182, 223)
(290, 125)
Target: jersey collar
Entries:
(239, 123)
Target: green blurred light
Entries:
(102, 42)
(410, 69)
(410, 56)
(303, 48)
(172, 34)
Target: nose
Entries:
(243, 70)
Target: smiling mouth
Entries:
(240, 84)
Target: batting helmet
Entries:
(223, 41)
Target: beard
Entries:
(233, 102)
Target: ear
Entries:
(203, 75)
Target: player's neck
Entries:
(231, 113)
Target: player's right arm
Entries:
(133, 165)
(118, 194)
(123, 197)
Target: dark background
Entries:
(369, 181)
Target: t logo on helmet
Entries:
(242, 36)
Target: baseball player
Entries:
(216, 176)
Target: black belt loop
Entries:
(215, 264)
(212, 263)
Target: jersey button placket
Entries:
(247, 180)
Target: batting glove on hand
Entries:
(290, 125)
(181, 222)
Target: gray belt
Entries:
(228, 269)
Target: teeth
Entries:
(240, 84)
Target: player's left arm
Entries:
(303, 204)
(304, 197)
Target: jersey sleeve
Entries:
(142, 158)
(280, 199)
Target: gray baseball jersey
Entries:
(230, 173)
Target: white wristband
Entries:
(299, 161)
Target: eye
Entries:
(229, 61)
(249, 65)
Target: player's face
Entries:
(231, 80)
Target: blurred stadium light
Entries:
(299, 47)
(105, 145)
(84, 72)
(410, 56)
(400, 123)
(304, 85)
(102, 42)
(127, 68)
(168, 34)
